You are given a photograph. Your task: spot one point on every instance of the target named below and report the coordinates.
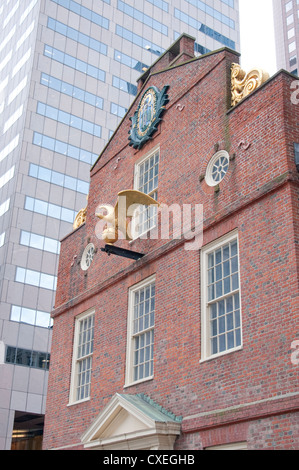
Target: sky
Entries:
(257, 35)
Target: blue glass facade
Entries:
(68, 75)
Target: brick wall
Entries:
(250, 393)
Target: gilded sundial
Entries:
(147, 116)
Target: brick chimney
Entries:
(180, 51)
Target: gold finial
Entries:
(243, 84)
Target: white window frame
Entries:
(222, 154)
(129, 379)
(87, 257)
(205, 324)
(135, 219)
(76, 361)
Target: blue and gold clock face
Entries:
(147, 116)
(147, 112)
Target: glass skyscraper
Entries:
(68, 73)
(286, 22)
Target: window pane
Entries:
(51, 245)
(235, 281)
(29, 203)
(67, 215)
(222, 343)
(23, 357)
(60, 147)
(33, 170)
(42, 319)
(64, 117)
(214, 346)
(226, 285)
(46, 281)
(28, 316)
(226, 268)
(57, 178)
(234, 264)
(48, 143)
(54, 211)
(10, 355)
(15, 313)
(218, 289)
(70, 182)
(218, 256)
(40, 206)
(36, 241)
(234, 248)
(20, 275)
(230, 321)
(230, 340)
(32, 277)
(25, 238)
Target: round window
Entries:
(217, 168)
(87, 256)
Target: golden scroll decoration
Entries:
(80, 218)
(242, 83)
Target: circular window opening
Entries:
(87, 256)
(217, 168)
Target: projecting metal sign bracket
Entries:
(115, 250)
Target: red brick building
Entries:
(186, 347)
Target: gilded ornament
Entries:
(80, 218)
(243, 84)
(119, 217)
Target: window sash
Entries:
(225, 324)
(221, 298)
(143, 365)
(146, 181)
(143, 331)
(84, 367)
(86, 336)
(140, 357)
(82, 358)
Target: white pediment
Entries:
(129, 422)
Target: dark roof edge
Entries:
(202, 56)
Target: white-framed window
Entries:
(220, 297)
(217, 168)
(82, 357)
(87, 256)
(146, 181)
(140, 336)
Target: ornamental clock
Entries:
(147, 116)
